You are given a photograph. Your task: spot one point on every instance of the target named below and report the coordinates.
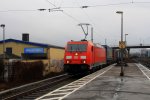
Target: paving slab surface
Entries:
(110, 86)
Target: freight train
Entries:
(84, 56)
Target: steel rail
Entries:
(14, 92)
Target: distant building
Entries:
(25, 51)
(16, 49)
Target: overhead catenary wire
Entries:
(71, 17)
(33, 10)
(110, 4)
(80, 7)
(92, 6)
(18, 10)
(64, 12)
(42, 9)
(90, 20)
(101, 5)
(85, 13)
(85, 6)
(50, 3)
(142, 2)
(88, 17)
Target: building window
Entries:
(8, 50)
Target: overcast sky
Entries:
(59, 27)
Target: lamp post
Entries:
(121, 12)
(3, 27)
(127, 50)
(125, 39)
(92, 34)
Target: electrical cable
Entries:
(90, 6)
(16, 10)
(111, 4)
(85, 13)
(65, 12)
(141, 2)
(71, 17)
(89, 18)
(50, 3)
(98, 5)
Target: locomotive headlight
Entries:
(84, 61)
(83, 57)
(67, 62)
(76, 54)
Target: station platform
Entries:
(109, 85)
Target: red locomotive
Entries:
(82, 56)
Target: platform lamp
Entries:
(3, 27)
(126, 50)
(121, 12)
(125, 39)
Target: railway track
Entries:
(34, 90)
(64, 91)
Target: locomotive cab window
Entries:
(76, 47)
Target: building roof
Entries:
(32, 43)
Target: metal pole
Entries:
(92, 34)
(3, 27)
(122, 72)
(4, 42)
(121, 26)
(125, 38)
(121, 49)
(125, 48)
(105, 41)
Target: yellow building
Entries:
(51, 55)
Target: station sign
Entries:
(122, 44)
(33, 50)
